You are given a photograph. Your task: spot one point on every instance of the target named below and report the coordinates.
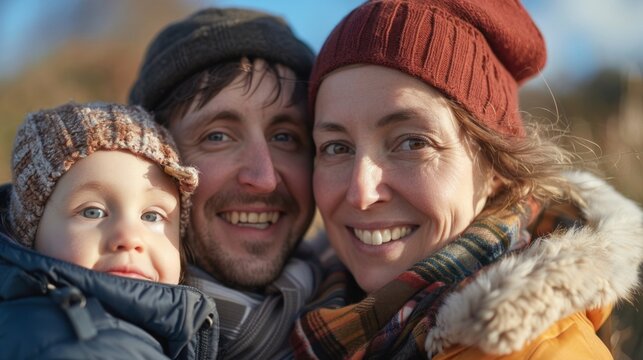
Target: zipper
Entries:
(204, 338)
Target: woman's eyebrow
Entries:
(329, 127)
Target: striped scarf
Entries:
(256, 325)
(392, 323)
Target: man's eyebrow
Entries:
(286, 119)
(207, 118)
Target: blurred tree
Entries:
(100, 66)
(604, 121)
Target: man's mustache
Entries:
(218, 202)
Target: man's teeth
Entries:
(261, 219)
(379, 237)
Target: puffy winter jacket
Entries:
(52, 309)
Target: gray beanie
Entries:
(212, 36)
(50, 141)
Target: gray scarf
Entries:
(258, 325)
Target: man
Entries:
(230, 85)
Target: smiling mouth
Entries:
(382, 236)
(256, 220)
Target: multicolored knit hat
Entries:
(49, 142)
(212, 36)
(475, 52)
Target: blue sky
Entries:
(581, 35)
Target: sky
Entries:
(581, 35)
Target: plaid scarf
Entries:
(392, 322)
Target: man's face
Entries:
(254, 201)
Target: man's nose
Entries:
(257, 172)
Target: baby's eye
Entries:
(152, 216)
(93, 213)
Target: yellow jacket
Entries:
(547, 301)
(571, 338)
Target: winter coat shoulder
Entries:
(548, 301)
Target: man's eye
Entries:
(217, 136)
(335, 149)
(283, 137)
(93, 213)
(151, 216)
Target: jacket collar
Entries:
(5, 191)
(174, 313)
(518, 298)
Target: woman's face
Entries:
(395, 178)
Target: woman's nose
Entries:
(367, 185)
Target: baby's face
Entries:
(117, 213)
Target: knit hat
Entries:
(475, 52)
(51, 141)
(212, 36)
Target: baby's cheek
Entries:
(159, 227)
(169, 265)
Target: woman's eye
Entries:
(217, 136)
(413, 144)
(93, 213)
(335, 149)
(151, 216)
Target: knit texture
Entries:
(213, 36)
(51, 141)
(393, 321)
(474, 52)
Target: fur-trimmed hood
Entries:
(515, 300)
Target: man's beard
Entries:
(238, 273)
(246, 273)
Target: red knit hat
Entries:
(474, 52)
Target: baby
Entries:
(100, 186)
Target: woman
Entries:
(452, 216)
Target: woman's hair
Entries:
(528, 167)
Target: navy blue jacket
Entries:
(52, 309)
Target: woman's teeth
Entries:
(259, 220)
(379, 237)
